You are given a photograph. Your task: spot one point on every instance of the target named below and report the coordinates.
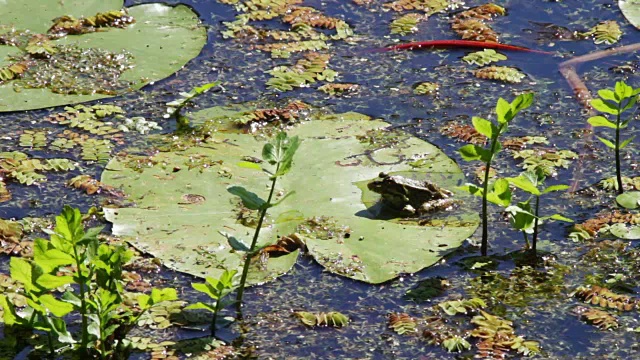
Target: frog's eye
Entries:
(383, 175)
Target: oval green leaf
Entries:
(161, 41)
(629, 199)
(329, 174)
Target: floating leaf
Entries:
(598, 318)
(406, 24)
(607, 32)
(631, 10)
(426, 88)
(332, 318)
(484, 57)
(606, 298)
(456, 343)
(162, 40)
(428, 6)
(402, 323)
(360, 240)
(629, 199)
(502, 73)
(453, 307)
(471, 24)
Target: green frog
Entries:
(412, 196)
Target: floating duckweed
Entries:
(406, 24)
(74, 70)
(502, 73)
(427, 88)
(428, 6)
(33, 139)
(96, 150)
(483, 57)
(607, 32)
(339, 89)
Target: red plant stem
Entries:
(459, 43)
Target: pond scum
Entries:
(88, 292)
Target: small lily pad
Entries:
(622, 231)
(629, 200)
(631, 10)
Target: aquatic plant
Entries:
(216, 289)
(331, 318)
(484, 57)
(186, 98)
(499, 192)
(523, 218)
(615, 102)
(278, 153)
(75, 256)
(502, 73)
(402, 323)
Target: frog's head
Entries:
(379, 185)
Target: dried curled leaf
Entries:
(402, 323)
(426, 88)
(498, 338)
(5, 195)
(406, 24)
(311, 16)
(607, 32)
(453, 307)
(598, 318)
(484, 57)
(502, 73)
(471, 24)
(466, 133)
(13, 71)
(606, 298)
(428, 6)
(332, 318)
(90, 185)
(339, 89)
(521, 142)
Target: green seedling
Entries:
(278, 153)
(217, 290)
(74, 257)
(174, 108)
(498, 192)
(523, 217)
(614, 102)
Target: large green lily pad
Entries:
(631, 10)
(345, 230)
(162, 40)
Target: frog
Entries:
(416, 197)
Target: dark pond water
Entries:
(387, 80)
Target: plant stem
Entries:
(485, 221)
(83, 302)
(214, 318)
(247, 261)
(535, 230)
(526, 239)
(52, 351)
(618, 171)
